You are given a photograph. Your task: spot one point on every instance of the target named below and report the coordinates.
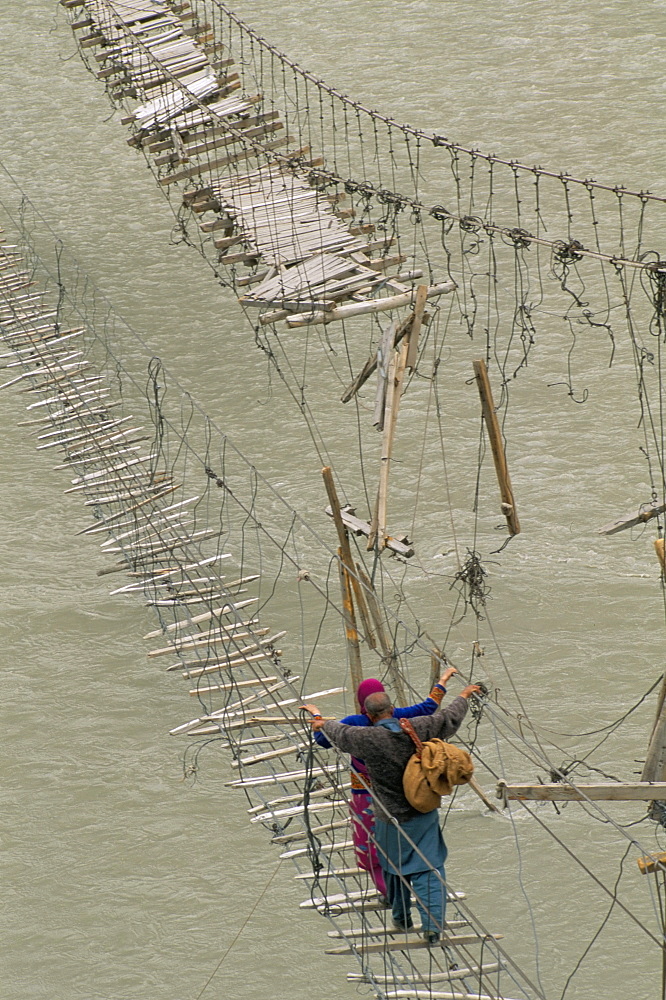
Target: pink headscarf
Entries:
(369, 686)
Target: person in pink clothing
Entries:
(360, 804)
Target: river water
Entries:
(121, 881)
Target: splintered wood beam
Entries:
(631, 520)
(497, 446)
(214, 165)
(385, 354)
(396, 373)
(351, 632)
(367, 306)
(417, 320)
(345, 548)
(625, 791)
(388, 653)
(400, 545)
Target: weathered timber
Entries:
(417, 320)
(644, 513)
(343, 539)
(371, 365)
(398, 544)
(497, 446)
(388, 653)
(377, 534)
(624, 791)
(369, 306)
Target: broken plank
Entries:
(399, 545)
(497, 446)
(644, 513)
(224, 161)
(369, 306)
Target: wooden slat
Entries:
(405, 943)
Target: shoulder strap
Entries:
(408, 728)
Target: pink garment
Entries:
(363, 828)
(366, 687)
(360, 806)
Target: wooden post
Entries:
(497, 446)
(353, 649)
(396, 373)
(384, 358)
(345, 548)
(388, 654)
(436, 660)
(419, 309)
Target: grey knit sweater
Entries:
(386, 753)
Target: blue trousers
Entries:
(429, 889)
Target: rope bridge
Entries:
(324, 212)
(167, 511)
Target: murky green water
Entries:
(123, 882)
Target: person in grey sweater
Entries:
(410, 844)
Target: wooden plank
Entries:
(238, 661)
(394, 979)
(631, 520)
(370, 306)
(314, 808)
(228, 139)
(212, 638)
(223, 161)
(625, 791)
(414, 993)
(339, 900)
(326, 849)
(315, 830)
(283, 778)
(197, 619)
(476, 788)
(336, 873)
(497, 446)
(299, 797)
(379, 930)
